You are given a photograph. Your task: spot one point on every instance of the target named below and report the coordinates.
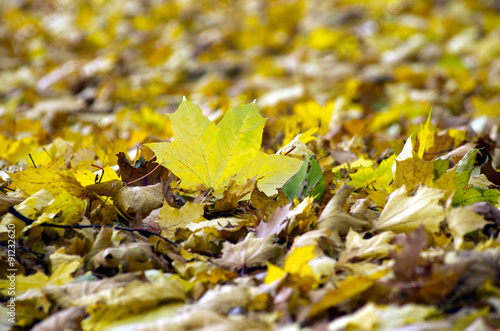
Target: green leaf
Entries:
(205, 156)
(308, 181)
(463, 172)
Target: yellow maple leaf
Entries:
(33, 180)
(204, 155)
(171, 218)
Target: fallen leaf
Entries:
(207, 155)
(147, 171)
(381, 317)
(31, 208)
(404, 213)
(170, 218)
(234, 193)
(413, 171)
(249, 253)
(32, 180)
(308, 181)
(296, 263)
(275, 225)
(461, 221)
(406, 261)
(378, 179)
(357, 248)
(222, 298)
(464, 196)
(350, 287)
(138, 199)
(67, 319)
(136, 256)
(335, 218)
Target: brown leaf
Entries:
(168, 195)
(6, 201)
(131, 257)
(276, 224)
(234, 193)
(491, 173)
(249, 253)
(67, 319)
(406, 261)
(267, 206)
(68, 295)
(490, 212)
(436, 287)
(335, 218)
(139, 169)
(144, 199)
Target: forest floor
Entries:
(249, 165)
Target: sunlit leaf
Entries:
(205, 155)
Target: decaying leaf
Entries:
(67, 319)
(405, 213)
(463, 220)
(406, 261)
(335, 218)
(138, 199)
(275, 225)
(249, 253)
(129, 257)
(147, 171)
(234, 193)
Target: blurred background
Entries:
(102, 74)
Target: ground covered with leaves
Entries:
(250, 165)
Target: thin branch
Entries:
(29, 221)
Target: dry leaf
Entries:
(138, 199)
(249, 253)
(405, 213)
(234, 193)
(335, 218)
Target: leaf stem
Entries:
(146, 175)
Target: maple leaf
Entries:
(171, 218)
(207, 155)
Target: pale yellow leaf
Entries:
(404, 213)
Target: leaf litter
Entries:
(337, 168)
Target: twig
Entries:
(293, 147)
(29, 221)
(34, 165)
